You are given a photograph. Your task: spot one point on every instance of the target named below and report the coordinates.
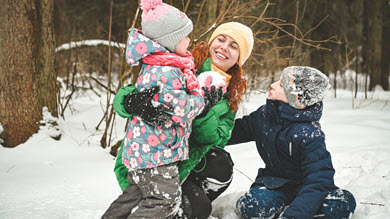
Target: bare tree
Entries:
(27, 74)
(372, 40)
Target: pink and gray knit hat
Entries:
(164, 23)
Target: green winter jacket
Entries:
(212, 130)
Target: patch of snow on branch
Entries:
(74, 44)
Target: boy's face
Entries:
(182, 46)
(277, 91)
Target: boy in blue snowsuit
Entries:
(297, 181)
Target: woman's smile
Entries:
(221, 56)
(224, 52)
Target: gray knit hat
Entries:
(164, 23)
(304, 86)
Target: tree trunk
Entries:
(212, 6)
(26, 67)
(47, 88)
(372, 40)
(386, 46)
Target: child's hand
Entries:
(143, 105)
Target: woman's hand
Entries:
(211, 98)
(140, 104)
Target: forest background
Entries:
(41, 65)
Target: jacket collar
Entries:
(284, 111)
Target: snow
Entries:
(74, 178)
(210, 78)
(1, 130)
(74, 44)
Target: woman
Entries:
(208, 171)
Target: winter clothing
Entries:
(164, 23)
(186, 64)
(119, 98)
(269, 203)
(304, 86)
(155, 191)
(195, 196)
(141, 105)
(212, 130)
(207, 182)
(226, 75)
(292, 146)
(151, 152)
(211, 98)
(213, 173)
(148, 146)
(242, 34)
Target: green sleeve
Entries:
(119, 97)
(212, 130)
(121, 170)
(215, 127)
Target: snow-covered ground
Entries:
(73, 177)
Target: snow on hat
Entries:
(164, 23)
(240, 33)
(304, 86)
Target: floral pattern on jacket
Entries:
(148, 146)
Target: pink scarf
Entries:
(186, 64)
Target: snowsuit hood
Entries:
(139, 46)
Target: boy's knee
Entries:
(347, 200)
(257, 203)
(339, 203)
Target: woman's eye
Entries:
(234, 46)
(220, 40)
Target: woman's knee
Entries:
(197, 204)
(219, 165)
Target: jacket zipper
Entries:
(290, 148)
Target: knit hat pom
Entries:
(146, 5)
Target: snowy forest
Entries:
(63, 61)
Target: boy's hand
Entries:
(211, 98)
(140, 104)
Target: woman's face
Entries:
(224, 52)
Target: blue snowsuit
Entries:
(297, 180)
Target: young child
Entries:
(151, 152)
(297, 181)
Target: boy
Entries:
(297, 181)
